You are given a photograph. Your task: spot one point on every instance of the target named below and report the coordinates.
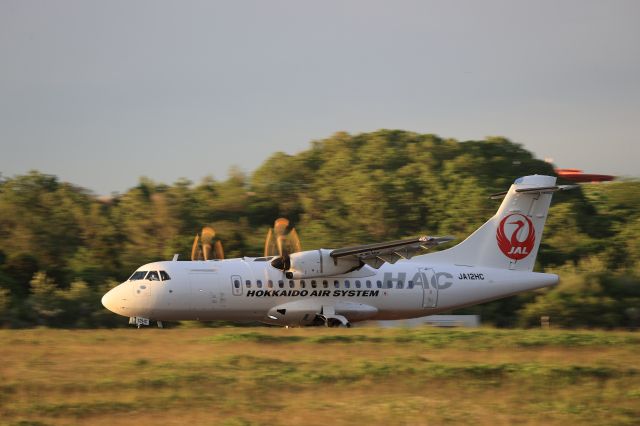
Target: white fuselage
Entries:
(250, 289)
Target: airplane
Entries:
(338, 287)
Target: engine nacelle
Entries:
(318, 263)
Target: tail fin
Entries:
(510, 239)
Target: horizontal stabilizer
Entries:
(541, 190)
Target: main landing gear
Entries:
(331, 319)
(335, 322)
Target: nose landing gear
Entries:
(139, 322)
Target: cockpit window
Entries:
(138, 275)
(153, 276)
(164, 276)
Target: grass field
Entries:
(317, 376)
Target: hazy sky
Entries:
(102, 92)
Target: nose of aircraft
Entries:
(108, 299)
(113, 299)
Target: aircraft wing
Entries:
(375, 255)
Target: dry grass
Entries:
(318, 376)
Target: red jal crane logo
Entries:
(512, 247)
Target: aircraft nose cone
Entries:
(108, 299)
(113, 299)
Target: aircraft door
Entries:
(429, 279)
(236, 285)
(203, 296)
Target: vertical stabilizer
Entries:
(511, 238)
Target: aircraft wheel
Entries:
(332, 322)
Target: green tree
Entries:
(581, 299)
(5, 303)
(44, 302)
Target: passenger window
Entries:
(164, 276)
(248, 283)
(153, 276)
(270, 284)
(313, 283)
(336, 284)
(389, 284)
(138, 275)
(281, 284)
(291, 284)
(347, 284)
(259, 283)
(400, 284)
(325, 284)
(368, 284)
(236, 283)
(379, 284)
(409, 284)
(357, 283)
(302, 284)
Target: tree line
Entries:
(62, 247)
